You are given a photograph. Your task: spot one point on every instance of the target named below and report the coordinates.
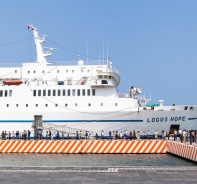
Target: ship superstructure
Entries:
(79, 95)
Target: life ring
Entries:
(82, 83)
(120, 95)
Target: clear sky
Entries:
(153, 43)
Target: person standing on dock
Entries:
(181, 135)
(28, 134)
(80, 135)
(12, 135)
(49, 135)
(130, 134)
(156, 134)
(102, 134)
(109, 134)
(3, 135)
(148, 133)
(9, 135)
(175, 135)
(62, 136)
(134, 135)
(143, 135)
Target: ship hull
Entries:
(107, 121)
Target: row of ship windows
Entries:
(56, 105)
(5, 93)
(64, 92)
(59, 92)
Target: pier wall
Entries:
(83, 146)
(182, 150)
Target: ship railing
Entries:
(63, 63)
(10, 65)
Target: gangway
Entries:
(61, 128)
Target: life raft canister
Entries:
(120, 95)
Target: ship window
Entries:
(104, 82)
(89, 104)
(101, 104)
(78, 92)
(39, 92)
(56, 105)
(34, 71)
(26, 105)
(68, 92)
(59, 92)
(15, 71)
(76, 105)
(93, 92)
(10, 92)
(7, 105)
(16, 105)
(88, 92)
(116, 104)
(54, 92)
(72, 71)
(34, 92)
(66, 71)
(64, 92)
(36, 105)
(49, 92)
(42, 71)
(66, 105)
(81, 71)
(83, 92)
(46, 105)
(1, 93)
(44, 92)
(73, 92)
(6, 93)
(28, 71)
(57, 71)
(88, 70)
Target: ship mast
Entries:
(41, 54)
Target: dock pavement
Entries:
(98, 175)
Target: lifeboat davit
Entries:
(12, 82)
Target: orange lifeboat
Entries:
(12, 82)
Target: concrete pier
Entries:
(100, 146)
(83, 146)
(182, 150)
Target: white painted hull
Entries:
(107, 121)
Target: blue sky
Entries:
(153, 43)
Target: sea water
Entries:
(67, 160)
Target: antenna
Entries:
(87, 49)
(107, 54)
(103, 50)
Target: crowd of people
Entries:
(183, 135)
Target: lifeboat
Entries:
(12, 82)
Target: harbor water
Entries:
(70, 160)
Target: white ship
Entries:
(79, 96)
